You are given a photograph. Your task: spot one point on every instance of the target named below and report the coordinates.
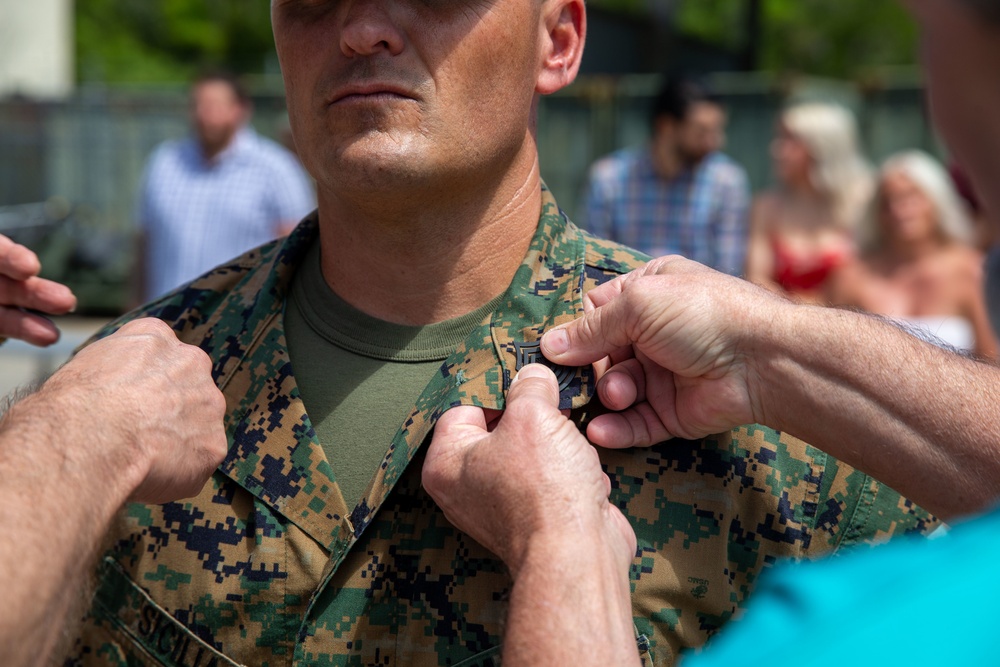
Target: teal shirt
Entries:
(909, 602)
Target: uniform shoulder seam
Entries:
(610, 256)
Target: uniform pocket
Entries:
(149, 635)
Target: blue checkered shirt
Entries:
(700, 214)
(197, 214)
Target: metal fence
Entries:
(87, 154)
(599, 115)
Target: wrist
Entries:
(766, 330)
(799, 343)
(571, 600)
(599, 544)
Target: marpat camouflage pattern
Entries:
(268, 567)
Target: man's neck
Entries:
(419, 262)
(667, 162)
(908, 253)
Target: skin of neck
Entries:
(909, 251)
(799, 187)
(433, 252)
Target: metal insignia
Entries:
(531, 353)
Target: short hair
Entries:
(678, 95)
(229, 78)
(933, 180)
(988, 10)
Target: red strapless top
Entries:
(803, 273)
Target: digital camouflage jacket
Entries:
(267, 566)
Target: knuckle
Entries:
(145, 325)
(218, 454)
(432, 477)
(217, 402)
(198, 357)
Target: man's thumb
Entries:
(590, 338)
(534, 382)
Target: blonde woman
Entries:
(919, 264)
(803, 230)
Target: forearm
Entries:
(924, 421)
(56, 502)
(571, 605)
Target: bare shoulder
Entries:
(966, 264)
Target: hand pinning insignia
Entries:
(531, 353)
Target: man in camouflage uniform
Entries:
(417, 121)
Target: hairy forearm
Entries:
(923, 420)
(571, 605)
(57, 499)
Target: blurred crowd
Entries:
(906, 239)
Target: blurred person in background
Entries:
(215, 194)
(802, 231)
(680, 194)
(135, 416)
(919, 264)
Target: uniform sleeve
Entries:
(730, 222)
(855, 509)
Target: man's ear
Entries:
(564, 23)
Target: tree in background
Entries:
(842, 39)
(130, 41)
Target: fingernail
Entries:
(531, 371)
(555, 341)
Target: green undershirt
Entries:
(359, 377)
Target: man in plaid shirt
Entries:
(680, 194)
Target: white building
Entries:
(36, 48)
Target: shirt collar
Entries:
(546, 291)
(686, 172)
(242, 144)
(273, 454)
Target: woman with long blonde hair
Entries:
(918, 264)
(802, 230)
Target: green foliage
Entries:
(841, 38)
(170, 40)
(623, 6)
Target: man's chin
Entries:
(373, 164)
